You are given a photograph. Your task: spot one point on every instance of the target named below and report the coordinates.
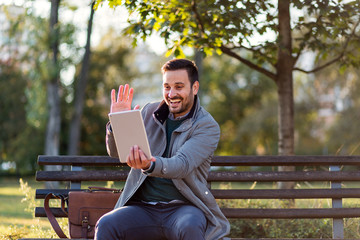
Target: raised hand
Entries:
(123, 100)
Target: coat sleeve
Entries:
(110, 142)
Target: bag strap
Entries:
(54, 223)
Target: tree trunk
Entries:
(285, 87)
(52, 139)
(75, 125)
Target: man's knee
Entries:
(105, 228)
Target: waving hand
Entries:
(123, 100)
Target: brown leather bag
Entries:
(84, 210)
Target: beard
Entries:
(179, 105)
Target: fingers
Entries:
(137, 158)
(131, 94)
(137, 155)
(113, 99)
(125, 93)
(120, 93)
(123, 99)
(133, 159)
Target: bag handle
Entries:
(54, 223)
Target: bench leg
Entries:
(338, 223)
(75, 185)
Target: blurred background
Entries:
(71, 86)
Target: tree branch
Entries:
(228, 51)
(322, 66)
(341, 55)
(254, 50)
(248, 63)
(197, 16)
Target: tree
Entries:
(75, 125)
(52, 140)
(326, 27)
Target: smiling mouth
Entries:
(174, 101)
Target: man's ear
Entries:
(195, 87)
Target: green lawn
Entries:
(15, 220)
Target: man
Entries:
(166, 196)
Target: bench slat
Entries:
(297, 176)
(259, 213)
(41, 193)
(40, 212)
(296, 160)
(217, 160)
(79, 161)
(214, 176)
(286, 193)
(250, 194)
(104, 175)
(291, 213)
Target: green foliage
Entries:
(284, 228)
(15, 128)
(342, 136)
(293, 228)
(325, 27)
(243, 103)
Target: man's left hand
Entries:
(137, 159)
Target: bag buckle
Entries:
(85, 221)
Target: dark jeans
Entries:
(146, 222)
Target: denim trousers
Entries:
(149, 222)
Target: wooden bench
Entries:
(327, 173)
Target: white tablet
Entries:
(129, 130)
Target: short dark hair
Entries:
(177, 64)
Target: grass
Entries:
(16, 219)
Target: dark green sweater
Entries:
(155, 189)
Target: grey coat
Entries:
(192, 147)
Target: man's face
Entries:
(178, 92)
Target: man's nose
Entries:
(171, 94)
